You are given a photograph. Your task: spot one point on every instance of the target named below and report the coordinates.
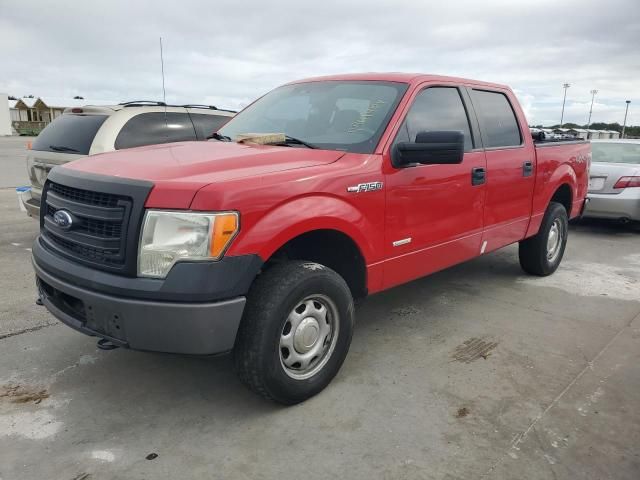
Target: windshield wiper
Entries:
(219, 136)
(289, 139)
(60, 148)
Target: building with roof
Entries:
(596, 134)
(585, 133)
(13, 111)
(581, 133)
(29, 115)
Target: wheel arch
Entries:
(564, 196)
(319, 228)
(331, 248)
(560, 186)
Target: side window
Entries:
(155, 127)
(497, 119)
(207, 124)
(436, 108)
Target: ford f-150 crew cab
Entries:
(320, 192)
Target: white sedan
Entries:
(614, 180)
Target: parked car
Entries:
(321, 191)
(89, 130)
(614, 182)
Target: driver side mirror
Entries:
(430, 148)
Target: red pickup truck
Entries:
(320, 192)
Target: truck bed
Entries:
(556, 162)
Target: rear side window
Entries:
(69, 133)
(497, 119)
(436, 108)
(207, 124)
(155, 127)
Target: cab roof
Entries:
(410, 78)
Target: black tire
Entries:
(258, 353)
(533, 252)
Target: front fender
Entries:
(266, 234)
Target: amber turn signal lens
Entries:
(224, 229)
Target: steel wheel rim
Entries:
(308, 336)
(554, 240)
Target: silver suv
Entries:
(88, 130)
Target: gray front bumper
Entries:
(201, 328)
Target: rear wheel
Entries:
(541, 254)
(295, 332)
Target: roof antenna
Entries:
(164, 93)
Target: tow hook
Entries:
(104, 344)
(39, 301)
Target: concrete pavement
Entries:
(13, 171)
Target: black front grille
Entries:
(85, 196)
(103, 229)
(94, 254)
(94, 227)
(106, 217)
(97, 234)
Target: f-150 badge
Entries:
(365, 187)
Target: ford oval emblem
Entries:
(63, 219)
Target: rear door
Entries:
(433, 212)
(510, 168)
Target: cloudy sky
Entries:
(229, 52)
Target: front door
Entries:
(434, 213)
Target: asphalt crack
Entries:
(26, 330)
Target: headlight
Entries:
(168, 237)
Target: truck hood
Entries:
(179, 170)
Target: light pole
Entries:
(593, 95)
(565, 86)
(624, 124)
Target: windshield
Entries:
(616, 152)
(69, 134)
(334, 115)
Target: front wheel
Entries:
(542, 253)
(295, 332)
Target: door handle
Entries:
(527, 168)
(478, 176)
